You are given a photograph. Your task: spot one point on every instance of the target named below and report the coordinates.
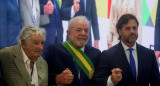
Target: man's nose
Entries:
(40, 46)
(132, 30)
(83, 32)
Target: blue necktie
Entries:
(132, 63)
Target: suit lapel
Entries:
(123, 58)
(140, 61)
(20, 64)
(72, 64)
(39, 69)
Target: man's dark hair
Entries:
(124, 19)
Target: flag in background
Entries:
(59, 3)
(149, 12)
(158, 16)
(103, 8)
(109, 8)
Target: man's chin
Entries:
(80, 45)
(132, 41)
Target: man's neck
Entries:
(128, 44)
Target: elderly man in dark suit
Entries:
(127, 63)
(22, 63)
(72, 8)
(72, 63)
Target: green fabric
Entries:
(89, 70)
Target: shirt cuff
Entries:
(109, 82)
(72, 12)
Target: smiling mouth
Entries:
(38, 51)
(82, 39)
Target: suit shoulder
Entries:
(42, 62)
(140, 47)
(55, 46)
(111, 50)
(92, 49)
(55, 49)
(8, 50)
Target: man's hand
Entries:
(96, 44)
(76, 5)
(109, 46)
(157, 53)
(116, 75)
(48, 8)
(66, 77)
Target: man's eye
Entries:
(86, 31)
(135, 28)
(42, 43)
(78, 30)
(127, 28)
(35, 42)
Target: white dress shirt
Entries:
(34, 75)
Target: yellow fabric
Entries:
(83, 60)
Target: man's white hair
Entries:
(79, 18)
(28, 31)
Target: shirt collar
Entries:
(83, 49)
(25, 57)
(126, 47)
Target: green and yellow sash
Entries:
(81, 58)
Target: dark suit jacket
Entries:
(54, 29)
(115, 58)
(157, 30)
(58, 59)
(15, 73)
(10, 23)
(90, 13)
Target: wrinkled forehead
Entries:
(37, 37)
(77, 23)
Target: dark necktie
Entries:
(132, 63)
(77, 69)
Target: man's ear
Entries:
(22, 42)
(68, 33)
(119, 32)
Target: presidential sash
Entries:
(81, 58)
